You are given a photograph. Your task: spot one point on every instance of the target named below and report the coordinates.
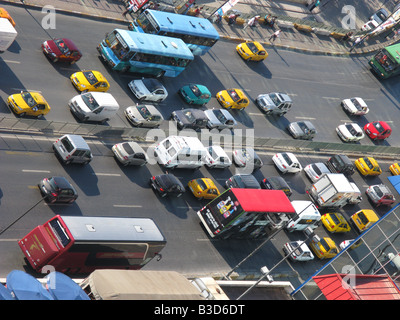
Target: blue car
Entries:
(195, 94)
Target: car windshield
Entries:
(233, 94)
(220, 116)
(304, 127)
(357, 104)
(127, 148)
(295, 248)
(90, 101)
(144, 112)
(30, 101)
(189, 115)
(201, 184)
(353, 130)
(212, 153)
(379, 127)
(385, 60)
(286, 157)
(316, 169)
(90, 77)
(151, 84)
(275, 99)
(62, 46)
(368, 163)
(252, 47)
(195, 89)
(325, 245)
(378, 191)
(334, 218)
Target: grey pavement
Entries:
(290, 38)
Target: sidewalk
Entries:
(289, 38)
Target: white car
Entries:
(220, 119)
(286, 162)
(350, 132)
(314, 171)
(355, 106)
(148, 89)
(371, 24)
(216, 157)
(298, 250)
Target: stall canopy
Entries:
(255, 200)
(395, 181)
(62, 287)
(5, 294)
(367, 287)
(139, 285)
(26, 287)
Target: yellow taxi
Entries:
(324, 248)
(364, 219)
(203, 188)
(335, 222)
(232, 99)
(252, 50)
(89, 80)
(395, 169)
(30, 103)
(368, 166)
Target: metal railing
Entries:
(225, 137)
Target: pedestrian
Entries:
(128, 10)
(197, 11)
(218, 18)
(232, 18)
(275, 35)
(356, 42)
(251, 23)
(314, 5)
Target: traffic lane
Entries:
(314, 90)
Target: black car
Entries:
(276, 183)
(340, 163)
(244, 181)
(167, 184)
(190, 118)
(57, 189)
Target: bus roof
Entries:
(262, 200)
(153, 44)
(394, 51)
(112, 229)
(173, 22)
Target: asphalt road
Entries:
(105, 188)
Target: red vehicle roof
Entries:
(262, 200)
(367, 287)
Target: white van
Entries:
(72, 148)
(94, 106)
(307, 215)
(180, 152)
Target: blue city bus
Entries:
(198, 33)
(150, 54)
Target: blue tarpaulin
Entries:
(26, 287)
(62, 287)
(395, 181)
(5, 294)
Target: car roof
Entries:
(248, 180)
(169, 180)
(62, 182)
(198, 114)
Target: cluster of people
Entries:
(133, 7)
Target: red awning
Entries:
(367, 287)
(262, 200)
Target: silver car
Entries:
(148, 89)
(220, 119)
(144, 116)
(380, 194)
(216, 157)
(247, 157)
(130, 153)
(314, 171)
(302, 130)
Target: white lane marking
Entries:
(106, 174)
(35, 171)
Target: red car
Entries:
(378, 130)
(61, 50)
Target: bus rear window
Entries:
(59, 232)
